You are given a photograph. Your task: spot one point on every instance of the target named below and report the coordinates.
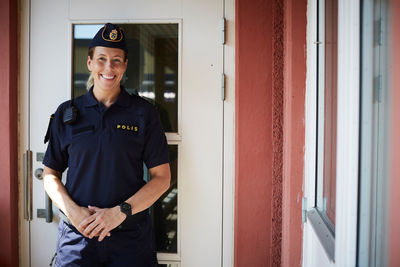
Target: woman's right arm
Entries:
(59, 195)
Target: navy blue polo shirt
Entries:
(105, 149)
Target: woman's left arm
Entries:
(104, 220)
(150, 192)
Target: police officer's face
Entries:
(107, 67)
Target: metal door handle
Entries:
(47, 212)
(28, 185)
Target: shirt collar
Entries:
(122, 100)
(89, 98)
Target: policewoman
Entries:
(103, 138)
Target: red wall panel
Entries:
(8, 134)
(269, 120)
(253, 132)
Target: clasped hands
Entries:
(93, 221)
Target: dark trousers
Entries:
(134, 247)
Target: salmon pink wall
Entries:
(8, 134)
(269, 135)
(253, 132)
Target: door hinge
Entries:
(378, 88)
(223, 87)
(378, 32)
(28, 185)
(223, 28)
(304, 209)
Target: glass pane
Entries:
(375, 203)
(152, 65)
(165, 211)
(330, 112)
(327, 110)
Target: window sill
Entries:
(323, 233)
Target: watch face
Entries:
(125, 207)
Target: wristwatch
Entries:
(126, 208)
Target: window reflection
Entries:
(165, 210)
(327, 111)
(330, 115)
(152, 65)
(152, 73)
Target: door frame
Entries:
(24, 126)
(228, 168)
(228, 157)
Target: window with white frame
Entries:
(323, 215)
(327, 58)
(332, 133)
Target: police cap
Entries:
(111, 35)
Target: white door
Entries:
(187, 92)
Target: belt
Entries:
(128, 224)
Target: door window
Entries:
(152, 73)
(152, 69)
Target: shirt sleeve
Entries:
(156, 146)
(56, 156)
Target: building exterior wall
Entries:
(270, 84)
(8, 134)
(270, 87)
(269, 150)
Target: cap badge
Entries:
(113, 34)
(110, 35)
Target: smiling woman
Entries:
(115, 62)
(107, 66)
(105, 198)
